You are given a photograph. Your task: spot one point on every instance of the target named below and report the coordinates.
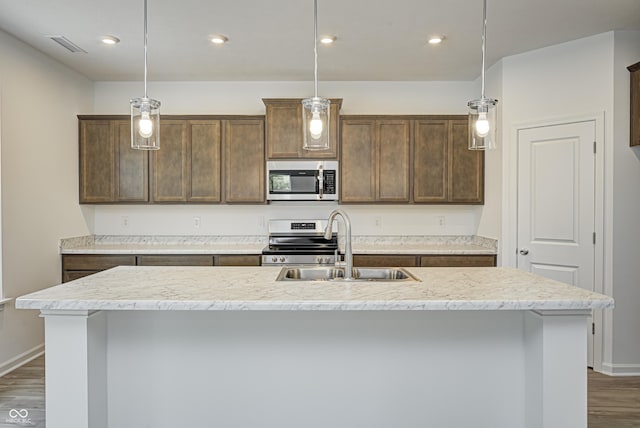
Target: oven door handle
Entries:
(320, 182)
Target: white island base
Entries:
(316, 369)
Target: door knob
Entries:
(524, 251)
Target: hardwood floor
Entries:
(614, 402)
(23, 389)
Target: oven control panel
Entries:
(298, 259)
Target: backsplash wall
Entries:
(252, 219)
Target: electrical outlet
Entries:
(442, 222)
(196, 222)
(377, 221)
(124, 221)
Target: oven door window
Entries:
(299, 182)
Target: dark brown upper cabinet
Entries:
(284, 129)
(445, 170)
(244, 161)
(196, 154)
(375, 164)
(169, 164)
(187, 168)
(402, 159)
(110, 170)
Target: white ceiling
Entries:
(273, 39)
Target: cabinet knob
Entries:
(524, 251)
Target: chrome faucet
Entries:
(348, 254)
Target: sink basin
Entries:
(337, 274)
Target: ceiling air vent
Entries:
(67, 44)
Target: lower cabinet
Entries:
(458, 261)
(239, 260)
(402, 260)
(76, 266)
(177, 260)
(366, 260)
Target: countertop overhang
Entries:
(255, 288)
(416, 245)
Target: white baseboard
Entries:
(21, 359)
(621, 369)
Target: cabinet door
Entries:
(430, 161)
(175, 260)
(204, 160)
(458, 261)
(169, 172)
(132, 166)
(359, 160)
(393, 160)
(244, 161)
(466, 167)
(390, 260)
(284, 128)
(238, 260)
(97, 157)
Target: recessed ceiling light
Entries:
(436, 40)
(219, 39)
(110, 40)
(327, 40)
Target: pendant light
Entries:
(482, 112)
(315, 111)
(145, 112)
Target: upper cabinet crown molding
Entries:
(284, 129)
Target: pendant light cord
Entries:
(315, 46)
(145, 48)
(484, 37)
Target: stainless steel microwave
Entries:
(302, 180)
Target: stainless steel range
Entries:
(299, 242)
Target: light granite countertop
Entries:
(437, 245)
(255, 288)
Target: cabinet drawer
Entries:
(96, 262)
(70, 275)
(384, 261)
(176, 260)
(458, 261)
(238, 260)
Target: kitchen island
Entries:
(232, 347)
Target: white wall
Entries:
(40, 99)
(246, 98)
(578, 78)
(626, 211)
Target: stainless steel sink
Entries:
(337, 274)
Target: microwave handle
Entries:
(320, 182)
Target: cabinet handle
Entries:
(524, 251)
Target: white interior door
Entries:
(556, 196)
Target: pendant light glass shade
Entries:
(315, 117)
(482, 112)
(482, 124)
(145, 112)
(315, 111)
(145, 124)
